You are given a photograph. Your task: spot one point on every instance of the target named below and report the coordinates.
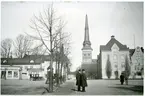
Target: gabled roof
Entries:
(109, 45)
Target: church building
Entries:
(89, 64)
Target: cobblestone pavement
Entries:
(95, 87)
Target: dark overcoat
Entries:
(78, 79)
(84, 80)
(121, 78)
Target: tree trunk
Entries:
(58, 75)
(51, 62)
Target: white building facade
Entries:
(117, 54)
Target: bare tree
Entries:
(22, 45)
(38, 50)
(47, 27)
(6, 46)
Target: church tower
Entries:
(86, 50)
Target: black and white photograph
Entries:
(72, 47)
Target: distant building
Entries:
(137, 62)
(117, 53)
(21, 68)
(89, 64)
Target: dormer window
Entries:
(31, 61)
(5, 61)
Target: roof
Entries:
(35, 57)
(108, 46)
(26, 60)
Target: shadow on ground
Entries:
(136, 88)
(74, 90)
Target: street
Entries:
(95, 87)
(103, 87)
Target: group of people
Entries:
(81, 80)
(123, 78)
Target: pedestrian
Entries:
(78, 79)
(122, 78)
(84, 80)
(30, 77)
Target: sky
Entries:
(122, 19)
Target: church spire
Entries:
(86, 30)
(86, 43)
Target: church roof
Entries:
(108, 46)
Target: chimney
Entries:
(112, 37)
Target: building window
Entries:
(9, 73)
(15, 74)
(122, 57)
(116, 65)
(5, 61)
(32, 61)
(84, 54)
(89, 54)
(115, 57)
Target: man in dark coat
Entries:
(84, 80)
(122, 78)
(78, 79)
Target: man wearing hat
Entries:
(78, 79)
(84, 80)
